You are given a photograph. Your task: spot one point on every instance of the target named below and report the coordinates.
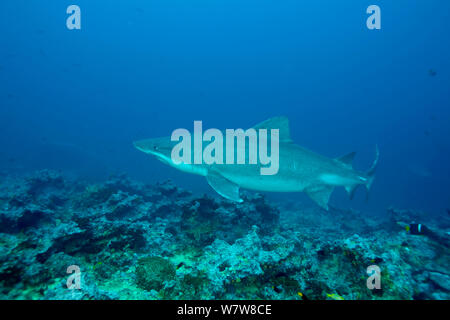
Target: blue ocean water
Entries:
(76, 99)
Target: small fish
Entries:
(181, 264)
(335, 296)
(96, 265)
(277, 289)
(302, 295)
(407, 228)
(376, 260)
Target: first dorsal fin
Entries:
(347, 159)
(281, 123)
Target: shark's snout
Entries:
(137, 145)
(145, 146)
(155, 147)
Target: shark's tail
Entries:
(371, 173)
(369, 177)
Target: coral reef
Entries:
(153, 272)
(136, 241)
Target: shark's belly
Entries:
(194, 169)
(273, 183)
(273, 186)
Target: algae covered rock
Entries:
(151, 272)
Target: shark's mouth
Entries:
(162, 158)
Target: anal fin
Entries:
(351, 190)
(223, 186)
(321, 195)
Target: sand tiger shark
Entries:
(300, 170)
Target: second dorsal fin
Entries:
(347, 159)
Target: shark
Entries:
(300, 170)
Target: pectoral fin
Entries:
(223, 186)
(321, 196)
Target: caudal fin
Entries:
(371, 173)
